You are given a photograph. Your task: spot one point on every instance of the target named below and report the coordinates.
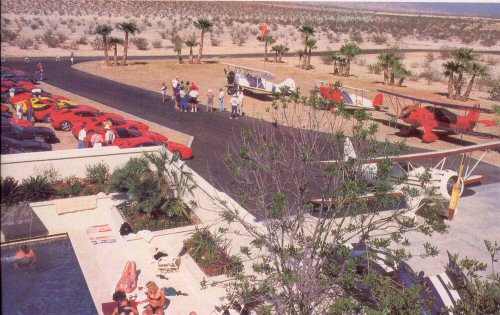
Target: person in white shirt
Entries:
(234, 107)
(175, 82)
(19, 111)
(221, 100)
(81, 137)
(193, 100)
(109, 136)
(240, 101)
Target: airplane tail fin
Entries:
(473, 115)
(349, 151)
(378, 101)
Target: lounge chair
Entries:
(172, 262)
(169, 264)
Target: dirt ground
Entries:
(210, 75)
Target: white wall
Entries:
(67, 162)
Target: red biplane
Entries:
(436, 116)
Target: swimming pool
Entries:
(54, 285)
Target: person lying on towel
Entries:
(128, 281)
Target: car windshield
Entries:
(42, 108)
(124, 133)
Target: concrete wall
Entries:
(67, 162)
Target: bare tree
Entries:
(290, 254)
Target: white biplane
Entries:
(349, 96)
(447, 184)
(256, 80)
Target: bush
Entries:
(431, 75)
(7, 35)
(37, 188)
(97, 43)
(70, 187)
(50, 39)
(209, 251)
(156, 43)
(82, 41)
(375, 68)
(495, 90)
(49, 172)
(12, 193)
(356, 37)
(140, 42)
(97, 173)
(25, 42)
(121, 178)
(380, 39)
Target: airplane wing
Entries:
(355, 89)
(263, 73)
(468, 132)
(429, 155)
(368, 197)
(421, 100)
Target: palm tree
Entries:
(339, 63)
(463, 57)
(399, 70)
(127, 28)
(178, 51)
(349, 50)
(306, 31)
(450, 69)
(276, 49)
(191, 43)
(104, 30)
(310, 44)
(205, 26)
(268, 40)
(300, 53)
(475, 69)
(387, 60)
(114, 41)
(283, 49)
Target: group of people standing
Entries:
(186, 94)
(96, 141)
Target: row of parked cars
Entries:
(65, 115)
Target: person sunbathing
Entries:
(156, 299)
(128, 281)
(24, 257)
(124, 306)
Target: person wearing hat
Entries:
(109, 136)
(210, 100)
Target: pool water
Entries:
(54, 285)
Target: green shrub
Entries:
(97, 173)
(37, 188)
(122, 177)
(8, 35)
(49, 172)
(12, 193)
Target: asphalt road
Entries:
(211, 131)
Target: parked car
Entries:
(126, 138)
(65, 120)
(18, 76)
(17, 122)
(41, 134)
(45, 113)
(11, 145)
(99, 124)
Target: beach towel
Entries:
(100, 234)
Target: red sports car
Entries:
(68, 118)
(99, 124)
(126, 138)
(185, 152)
(45, 113)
